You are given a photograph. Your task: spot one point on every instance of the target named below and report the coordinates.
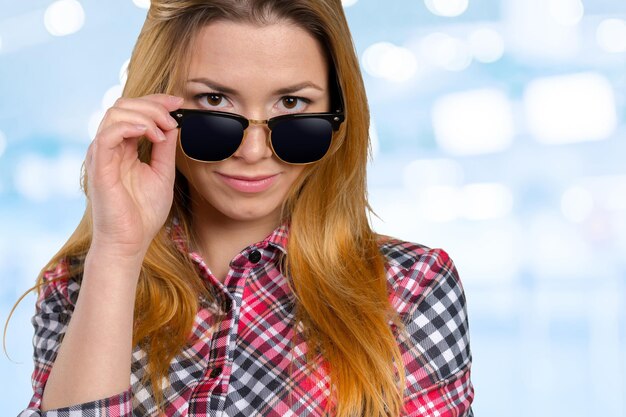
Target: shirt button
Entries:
(216, 372)
(255, 256)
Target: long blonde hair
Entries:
(334, 264)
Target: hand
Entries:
(130, 199)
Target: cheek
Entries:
(189, 167)
(196, 173)
(293, 181)
(292, 173)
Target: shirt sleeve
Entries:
(54, 308)
(435, 347)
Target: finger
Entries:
(155, 128)
(156, 106)
(89, 156)
(163, 157)
(167, 100)
(106, 146)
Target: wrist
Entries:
(123, 252)
(103, 254)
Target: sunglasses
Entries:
(213, 136)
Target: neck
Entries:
(219, 238)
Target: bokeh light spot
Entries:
(64, 17)
(611, 35)
(39, 178)
(3, 143)
(111, 95)
(486, 45)
(445, 51)
(447, 8)
(388, 61)
(144, 4)
(473, 122)
(566, 12)
(576, 204)
(348, 3)
(482, 201)
(570, 108)
(425, 172)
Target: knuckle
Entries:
(108, 114)
(120, 102)
(96, 139)
(101, 136)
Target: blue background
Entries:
(499, 135)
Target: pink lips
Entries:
(249, 184)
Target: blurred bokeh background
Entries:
(499, 131)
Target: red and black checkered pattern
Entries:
(252, 362)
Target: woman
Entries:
(225, 264)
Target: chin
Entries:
(250, 212)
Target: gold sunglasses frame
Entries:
(335, 119)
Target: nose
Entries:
(255, 146)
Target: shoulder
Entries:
(415, 271)
(426, 291)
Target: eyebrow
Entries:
(281, 91)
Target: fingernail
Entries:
(141, 127)
(176, 99)
(161, 136)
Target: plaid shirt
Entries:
(247, 365)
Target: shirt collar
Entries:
(278, 238)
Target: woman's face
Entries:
(258, 72)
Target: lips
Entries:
(244, 178)
(249, 184)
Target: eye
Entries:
(290, 102)
(212, 99)
(294, 103)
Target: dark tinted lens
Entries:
(209, 137)
(302, 140)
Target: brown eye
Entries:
(214, 99)
(290, 102)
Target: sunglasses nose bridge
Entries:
(255, 122)
(266, 134)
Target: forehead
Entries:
(275, 53)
